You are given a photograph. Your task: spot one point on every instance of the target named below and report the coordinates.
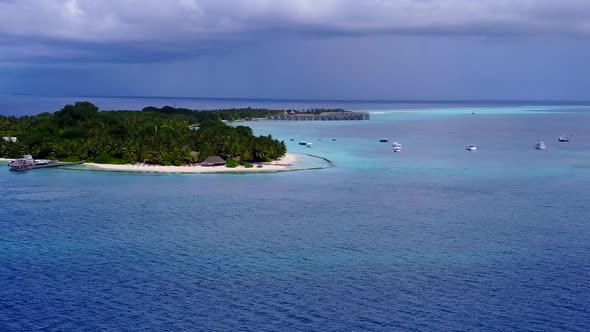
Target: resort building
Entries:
(213, 161)
(10, 139)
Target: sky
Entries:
(298, 49)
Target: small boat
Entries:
(397, 147)
(563, 139)
(384, 140)
(472, 148)
(292, 140)
(22, 164)
(540, 146)
(27, 163)
(309, 145)
(303, 143)
(333, 140)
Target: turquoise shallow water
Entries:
(434, 238)
(436, 141)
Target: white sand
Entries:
(283, 164)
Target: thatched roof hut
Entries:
(213, 161)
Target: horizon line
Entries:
(302, 100)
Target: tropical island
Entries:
(153, 136)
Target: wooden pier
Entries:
(326, 116)
(57, 164)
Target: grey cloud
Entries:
(124, 20)
(116, 30)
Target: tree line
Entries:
(163, 136)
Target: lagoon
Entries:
(433, 238)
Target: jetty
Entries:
(325, 116)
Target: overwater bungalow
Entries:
(325, 116)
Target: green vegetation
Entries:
(246, 164)
(107, 158)
(233, 114)
(163, 136)
(230, 163)
(317, 111)
(71, 159)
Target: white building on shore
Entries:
(10, 139)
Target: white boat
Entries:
(540, 146)
(309, 145)
(397, 147)
(22, 164)
(27, 163)
(563, 139)
(472, 148)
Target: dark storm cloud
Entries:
(156, 30)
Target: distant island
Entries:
(158, 136)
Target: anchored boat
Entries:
(472, 148)
(21, 164)
(27, 163)
(397, 147)
(540, 146)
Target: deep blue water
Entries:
(27, 105)
(434, 238)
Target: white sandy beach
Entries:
(283, 164)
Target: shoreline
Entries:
(288, 163)
(284, 164)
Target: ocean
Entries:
(435, 238)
